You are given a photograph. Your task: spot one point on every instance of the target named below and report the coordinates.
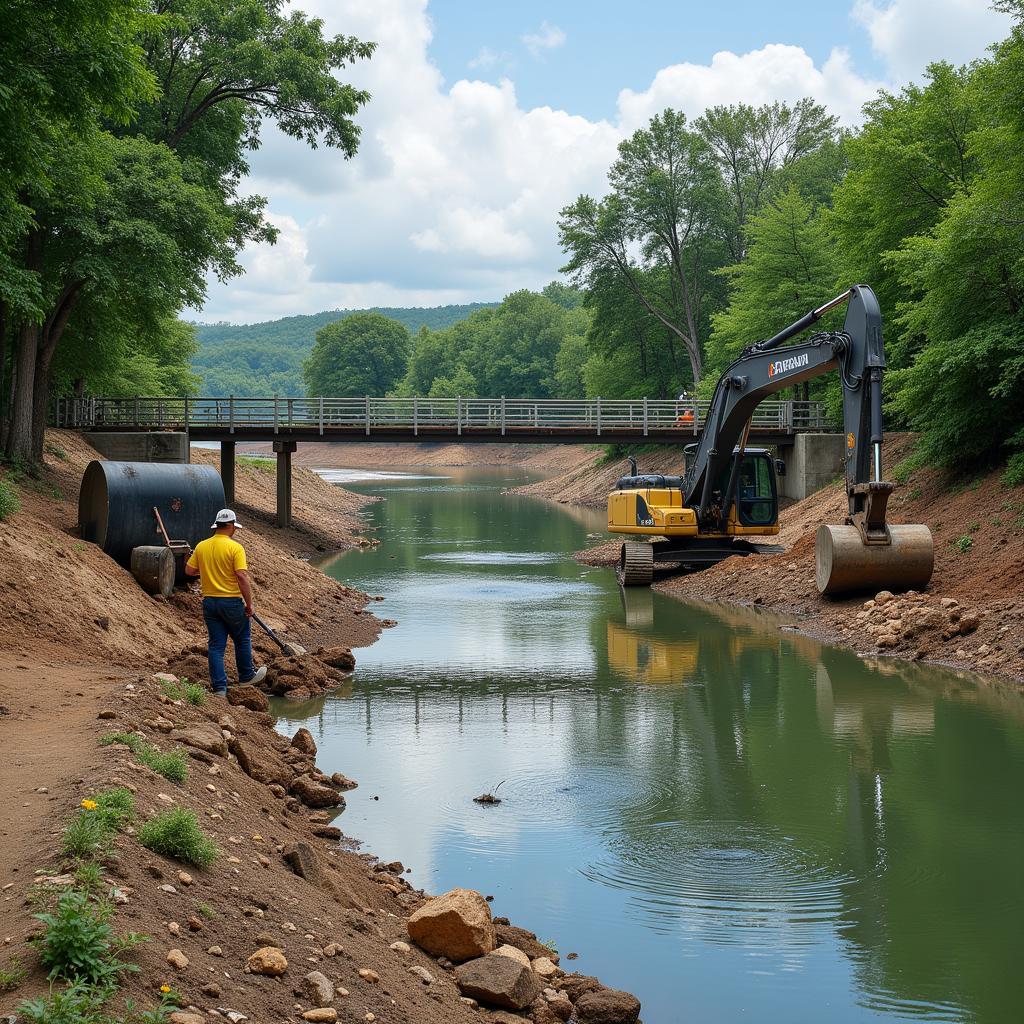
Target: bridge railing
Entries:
(501, 415)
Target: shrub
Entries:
(79, 945)
(79, 1004)
(10, 504)
(964, 544)
(91, 830)
(1013, 477)
(115, 805)
(173, 765)
(176, 833)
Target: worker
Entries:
(219, 562)
(684, 416)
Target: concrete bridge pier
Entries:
(284, 450)
(227, 471)
(812, 462)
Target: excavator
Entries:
(729, 491)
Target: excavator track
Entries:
(636, 564)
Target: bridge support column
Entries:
(812, 462)
(227, 470)
(284, 451)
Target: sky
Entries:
(487, 118)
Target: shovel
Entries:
(292, 650)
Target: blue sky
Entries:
(488, 118)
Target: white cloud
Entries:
(909, 34)
(547, 37)
(455, 191)
(486, 58)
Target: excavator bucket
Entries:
(845, 563)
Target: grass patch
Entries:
(1013, 476)
(255, 462)
(192, 693)
(906, 468)
(10, 503)
(11, 977)
(80, 1004)
(963, 544)
(56, 451)
(172, 765)
(205, 910)
(176, 833)
(91, 831)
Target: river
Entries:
(727, 819)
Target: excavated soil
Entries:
(972, 615)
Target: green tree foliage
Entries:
(364, 354)
(790, 268)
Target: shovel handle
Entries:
(273, 636)
(160, 525)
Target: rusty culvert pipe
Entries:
(116, 501)
(844, 564)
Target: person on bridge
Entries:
(219, 562)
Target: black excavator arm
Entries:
(765, 368)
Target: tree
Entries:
(754, 147)
(659, 231)
(364, 354)
(790, 268)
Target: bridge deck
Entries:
(467, 420)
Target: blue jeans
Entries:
(225, 616)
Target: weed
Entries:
(79, 545)
(260, 464)
(915, 494)
(176, 833)
(1014, 475)
(997, 521)
(550, 944)
(173, 765)
(905, 468)
(193, 693)
(116, 805)
(80, 1004)
(10, 503)
(87, 835)
(89, 876)
(963, 544)
(56, 451)
(974, 528)
(205, 910)
(79, 945)
(11, 977)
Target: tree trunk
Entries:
(19, 439)
(40, 409)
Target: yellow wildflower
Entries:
(90, 805)
(165, 989)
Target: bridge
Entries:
(286, 421)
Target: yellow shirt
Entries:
(218, 558)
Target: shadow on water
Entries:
(723, 816)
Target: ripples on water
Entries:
(731, 821)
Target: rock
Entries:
(318, 988)
(269, 961)
(883, 597)
(456, 925)
(423, 974)
(107, 714)
(401, 947)
(608, 1006)
(162, 724)
(184, 1017)
(168, 888)
(185, 878)
(545, 968)
(211, 989)
(247, 696)
(517, 954)
(324, 1015)
(203, 736)
(215, 951)
(575, 986)
(948, 602)
(340, 658)
(340, 781)
(560, 1004)
(302, 859)
(510, 935)
(277, 790)
(177, 959)
(498, 981)
(542, 1012)
(173, 927)
(194, 924)
(164, 677)
(315, 794)
(327, 832)
(334, 948)
(969, 622)
(259, 763)
(371, 976)
(303, 741)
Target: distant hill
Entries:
(266, 358)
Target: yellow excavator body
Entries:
(668, 517)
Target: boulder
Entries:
(498, 981)
(456, 925)
(247, 696)
(203, 736)
(318, 988)
(177, 959)
(545, 968)
(269, 961)
(302, 859)
(338, 657)
(258, 763)
(327, 832)
(303, 741)
(517, 954)
(340, 781)
(510, 935)
(315, 794)
(608, 1006)
(575, 986)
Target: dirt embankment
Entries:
(79, 641)
(972, 615)
(540, 457)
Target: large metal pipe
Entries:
(844, 564)
(116, 501)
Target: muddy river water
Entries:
(718, 814)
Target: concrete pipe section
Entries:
(844, 564)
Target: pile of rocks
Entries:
(505, 967)
(915, 619)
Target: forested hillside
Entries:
(266, 358)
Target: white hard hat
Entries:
(226, 517)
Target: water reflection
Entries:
(718, 813)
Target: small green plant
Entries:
(915, 494)
(1014, 474)
(550, 944)
(173, 765)
(80, 1004)
(79, 945)
(89, 876)
(11, 977)
(997, 521)
(193, 693)
(116, 805)
(176, 833)
(10, 503)
(56, 451)
(87, 835)
(905, 468)
(262, 465)
(205, 910)
(963, 544)
(974, 528)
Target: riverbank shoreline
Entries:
(970, 618)
(70, 677)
